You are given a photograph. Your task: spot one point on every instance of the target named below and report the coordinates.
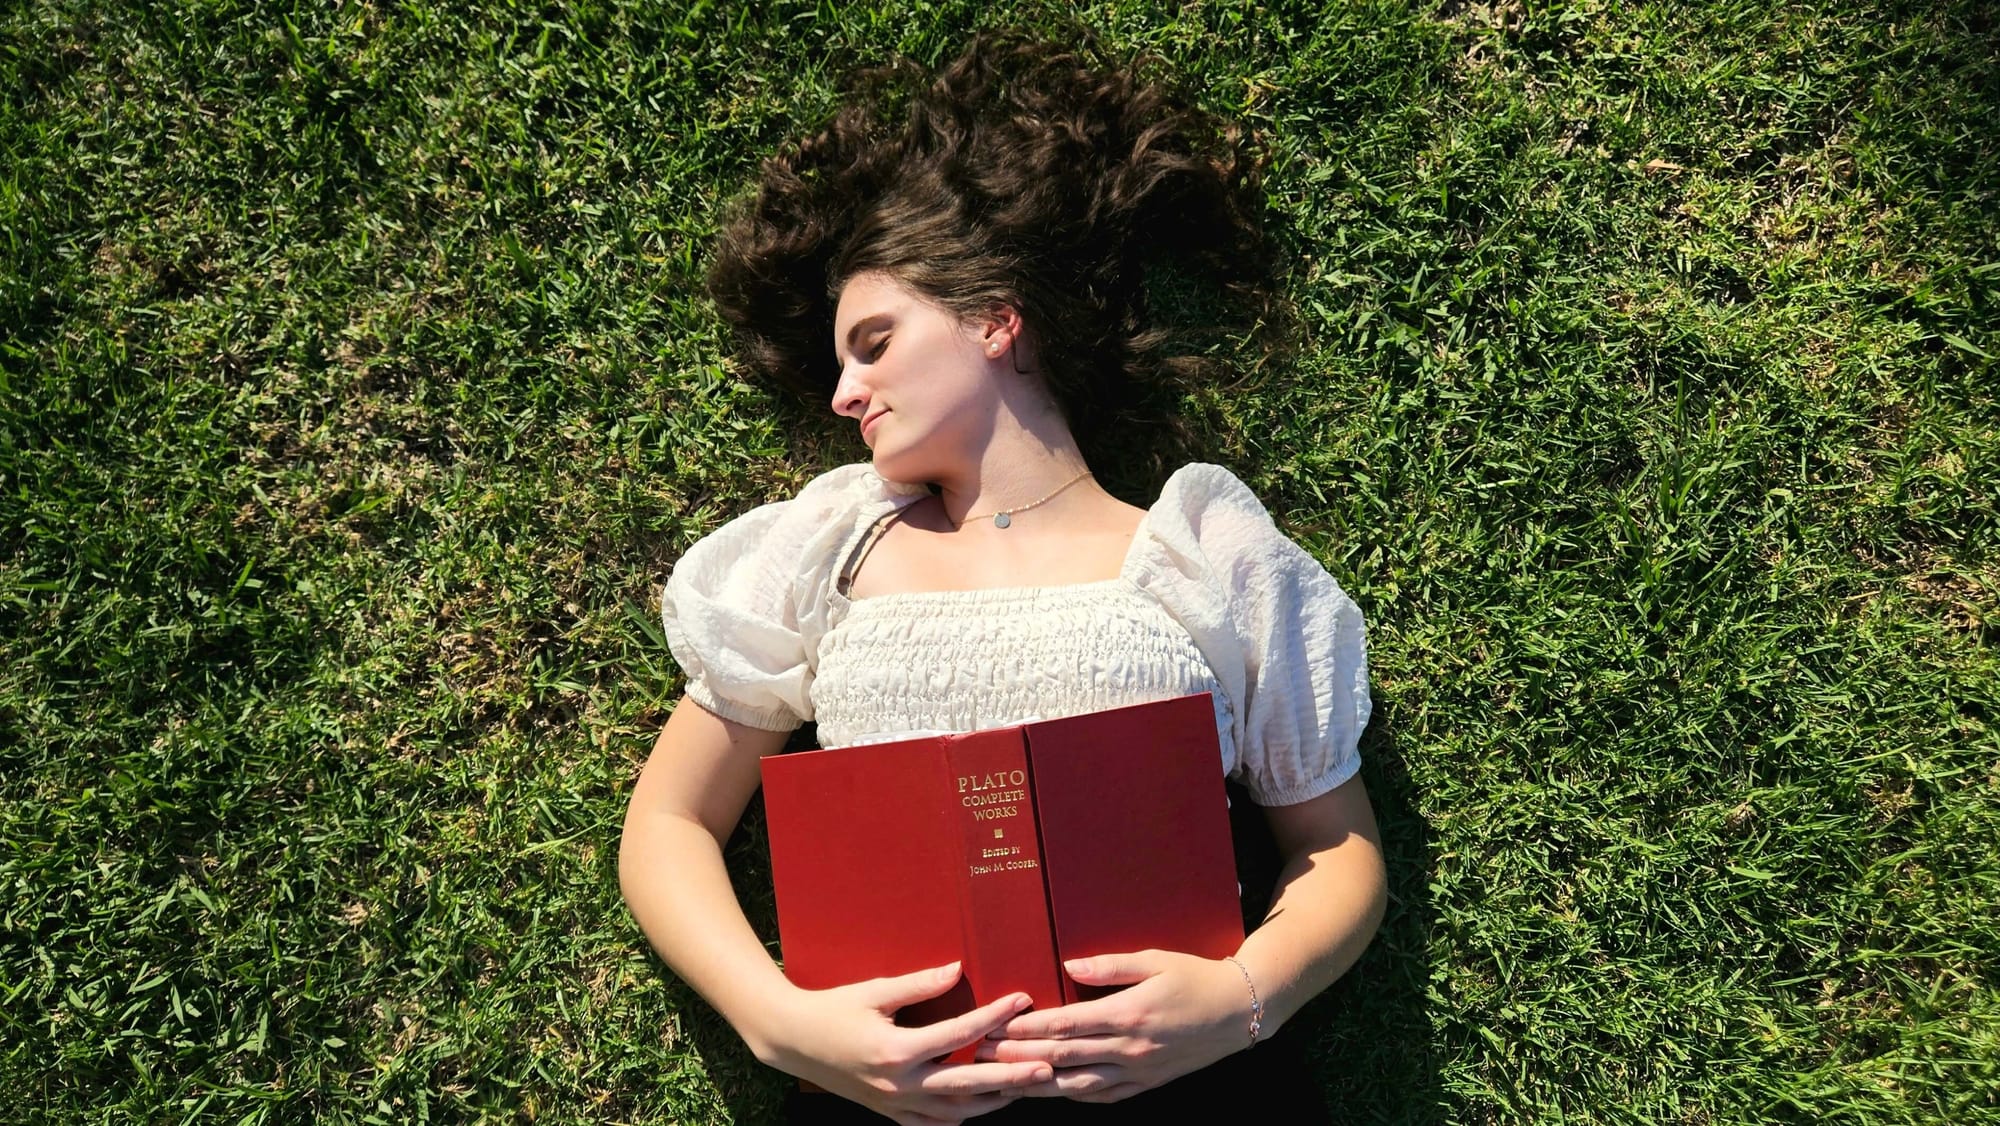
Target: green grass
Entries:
(356, 395)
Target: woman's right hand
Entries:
(846, 1040)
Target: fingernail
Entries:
(1023, 1001)
(1042, 1075)
(1077, 965)
(949, 972)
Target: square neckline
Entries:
(868, 532)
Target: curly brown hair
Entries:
(1121, 220)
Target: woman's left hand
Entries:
(1179, 1014)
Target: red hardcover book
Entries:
(1010, 850)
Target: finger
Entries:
(891, 993)
(1071, 1082)
(1115, 1093)
(951, 1034)
(1079, 1052)
(1116, 969)
(958, 1108)
(984, 1078)
(1085, 1018)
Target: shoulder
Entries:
(779, 557)
(823, 510)
(853, 484)
(745, 606)
(845, 489)
(1210, 540)
(1287, 645)
(1207, 513)
(1199, 487)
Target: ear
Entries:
(999, 330)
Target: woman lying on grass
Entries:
(969, 281)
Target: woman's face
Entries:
(921, 383)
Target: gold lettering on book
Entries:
(998, 779)
(991, 806)
(1022, 864)
(1004, 797)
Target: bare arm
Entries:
(1330, 899)
(689, 797)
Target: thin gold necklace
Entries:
(1005, 516)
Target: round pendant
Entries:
(1001, 520)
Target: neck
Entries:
(1029, 454)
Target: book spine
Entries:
(1009, 942)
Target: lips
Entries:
(868, 423)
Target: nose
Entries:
(850, 398)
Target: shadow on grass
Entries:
(750, 1091)
(1373, 1032)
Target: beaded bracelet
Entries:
(1256, 1006)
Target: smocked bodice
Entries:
(936, 661)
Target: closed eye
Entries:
(881, 346)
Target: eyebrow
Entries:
(854, 330)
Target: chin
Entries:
(890, 470)
(901, 468)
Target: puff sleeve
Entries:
(745, 607)
(1288, 647)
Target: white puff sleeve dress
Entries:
(1211, 597)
